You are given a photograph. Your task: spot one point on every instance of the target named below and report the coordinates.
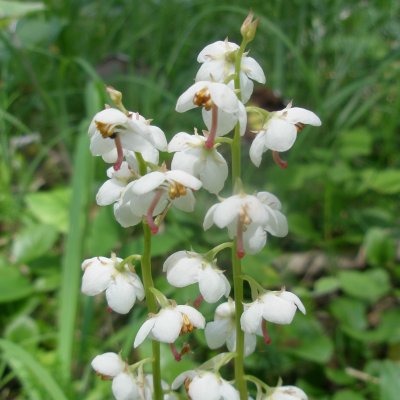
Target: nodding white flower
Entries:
(204, 385)
(125, 384)
(122, 286)
(248, 218)
(286, 393)
(220, 107)
(193, 156)
(152, 194)
(169, 323)
(184, 268)
(218, 65)
(112, 133)
(278, 307)
(223, 330)
(280, 131)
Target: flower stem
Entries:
(240, 381)
(152, 308)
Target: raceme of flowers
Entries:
(142, 190)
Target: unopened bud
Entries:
(116, 97)
(249, 27)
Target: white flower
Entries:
(151, 194)
(195, 158)
(112, 133)
(122, 286)
(204, 385)
(278, 307)
(185, 268)
(280, 131)
(218, 61)
(126, 385)
(223, 330)
(248, 218)
(286, 393)
(215, 96)
(169, 323)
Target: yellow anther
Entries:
(106, 130)
(244, 217)
(176, 190)
(187, 326)
(203, 98)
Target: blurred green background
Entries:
(338, 58)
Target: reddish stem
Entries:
(149, 215)
(267, 338)
(198, 301)
(239, 240)
(120, 152)
(278, 161)
(213, 131)
(177, 356)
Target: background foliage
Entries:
(341, 190)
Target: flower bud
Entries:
(249, 27)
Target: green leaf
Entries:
(390, 380)
(326, 285)
(51, 207)
(350, 312)
(380, 247)
(347, 394)
(13, 285)
(355, 143)
(22, 329)
(15, 355)
(368, 285)
(15, 9)
(33, 242)
(383, 182)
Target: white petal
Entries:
(242, 118)
(225, 121)
(111, 116)
(204, 387)
(182, 141)
(227, 211)
(96, 278)
(185, 101)
(297, 114)
(213, 71)
(277, 310)
(213, 172)
(158, 138)
(148, 182)
(211, 284)
(109, 192)
(124, 215)
(281, 135)
(180, 379)
(228, 392)
(184, 178)
(100, 145)
(187, 161)
(108, 364)
(250, 342)
(223, 97)
(252, 69)
(246, 87)
(257, 148)
(287, 393)
(216, 333)
(254, 239)
(195, 317)
(185, 203)
(124, 387)
(231, 337)
(216, 50)
(175, 258)
(269, 200)
(184, 272)
(277, 224)
(289, 296)
(168, 325)
(120, 295)
(144, 331)
(209, 217)
(251, 318)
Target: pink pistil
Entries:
(198, 301)
(267, 338)
(149, 215)
(120, 152)
(239, 240)
(213, 131)
(278, 161)
(177, 356)
(109, 310)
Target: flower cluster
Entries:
(142, 190)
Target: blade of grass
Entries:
(29, 366)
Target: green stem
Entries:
(152, 308)
(241, 383)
